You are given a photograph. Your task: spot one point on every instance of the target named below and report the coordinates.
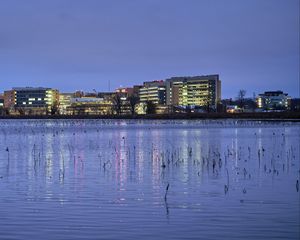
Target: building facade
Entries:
(64, 102)
(89, 106)
(197, 91)
(274, 100)
(28, 98)
(124, 91)
(154, 91)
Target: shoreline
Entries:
(272, 116)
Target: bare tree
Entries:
(21, 111)
(207, 105)
(2, 111)
(54, 109)
(117, 104)
(30, 112)
(150, 107)
(133, 101)
(241, 98)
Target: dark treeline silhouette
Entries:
(295, 116)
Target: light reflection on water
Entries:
(93, 179)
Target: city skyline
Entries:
(86, 45)
(164, 81)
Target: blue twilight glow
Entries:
(91, 44)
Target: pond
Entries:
(149, 179)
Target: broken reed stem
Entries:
(167, 189)
(7, 150)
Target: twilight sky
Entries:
(85, 44)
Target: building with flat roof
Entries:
(273, 100)
(31, 98)
(64, 102)
(203, 91)
(124, 91)
(89, 106)
(154, 91)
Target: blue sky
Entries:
(72, 45)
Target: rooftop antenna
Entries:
(109, 85)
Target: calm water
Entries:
(101, 179)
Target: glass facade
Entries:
(194, 91)
(35, 97)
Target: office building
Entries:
(89, 106)
(273, 100)
(29, 98)
(154, 91)
(197, 91)
(124, 91)
(64, 102)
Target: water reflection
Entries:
(106, 176)
(121, 158)
(139, 153)
(47, 144)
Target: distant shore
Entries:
(282, 116)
